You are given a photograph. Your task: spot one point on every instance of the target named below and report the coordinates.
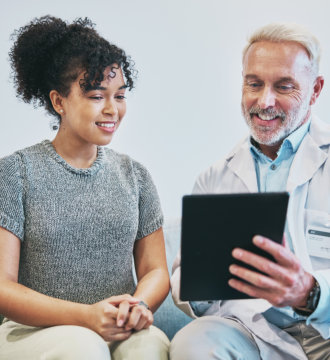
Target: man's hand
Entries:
(286, 283)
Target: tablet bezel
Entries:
(204, 261)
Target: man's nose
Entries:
(267, 98)
(110, 108)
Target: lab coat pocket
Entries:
(317, 232)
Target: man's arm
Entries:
(175, 287)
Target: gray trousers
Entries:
(68, 342)
(212, 337)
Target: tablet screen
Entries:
(212, 226)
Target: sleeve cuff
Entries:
(320, 318)
(11, 225)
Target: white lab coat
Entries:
(309, 187)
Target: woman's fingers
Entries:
(116, 300)
(123, 313)
(140, 318)
(119, 335)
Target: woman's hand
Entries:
(103, 317)
(136, 317)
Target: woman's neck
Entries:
(78, 155)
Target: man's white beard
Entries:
(290, 122)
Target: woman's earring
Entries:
(54, 125)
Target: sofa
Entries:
(168, 317)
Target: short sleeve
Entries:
(150, 212)
(11, 196)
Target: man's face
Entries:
(278, 88)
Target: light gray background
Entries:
(185, 111)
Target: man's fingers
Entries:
(249, 289)
(264, 265)
(254, 278)
(279, 252)
(274, 298)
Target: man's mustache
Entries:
(272, 112)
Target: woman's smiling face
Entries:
(92, 117)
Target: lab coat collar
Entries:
(310, 155)
(241, 163)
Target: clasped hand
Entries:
(284, 282)
(117, 317)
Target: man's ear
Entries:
(57, 101)
(318, 85)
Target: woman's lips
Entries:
(106, 126)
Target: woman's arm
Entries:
(153, 282)
(151, 269)
(26, 306)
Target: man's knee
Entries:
(212, 337)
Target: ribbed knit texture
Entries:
(77, 226)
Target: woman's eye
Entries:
(120, 97)
(96, 97)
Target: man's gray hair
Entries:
(289, 32)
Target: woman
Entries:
(72, 212)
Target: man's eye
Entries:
(285, 87)
(254, 85)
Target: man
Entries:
(287, 150)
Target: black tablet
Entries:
(212, 226)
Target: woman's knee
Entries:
(77, 343)
(148, 344)
(56, 342)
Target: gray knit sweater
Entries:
(77, 226)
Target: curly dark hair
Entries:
(49, 54)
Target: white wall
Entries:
(185, 111)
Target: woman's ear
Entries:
(57, 101)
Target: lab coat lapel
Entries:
(242, 165)
(308, 160)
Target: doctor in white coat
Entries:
(287, 150)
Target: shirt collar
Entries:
(295, 138)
